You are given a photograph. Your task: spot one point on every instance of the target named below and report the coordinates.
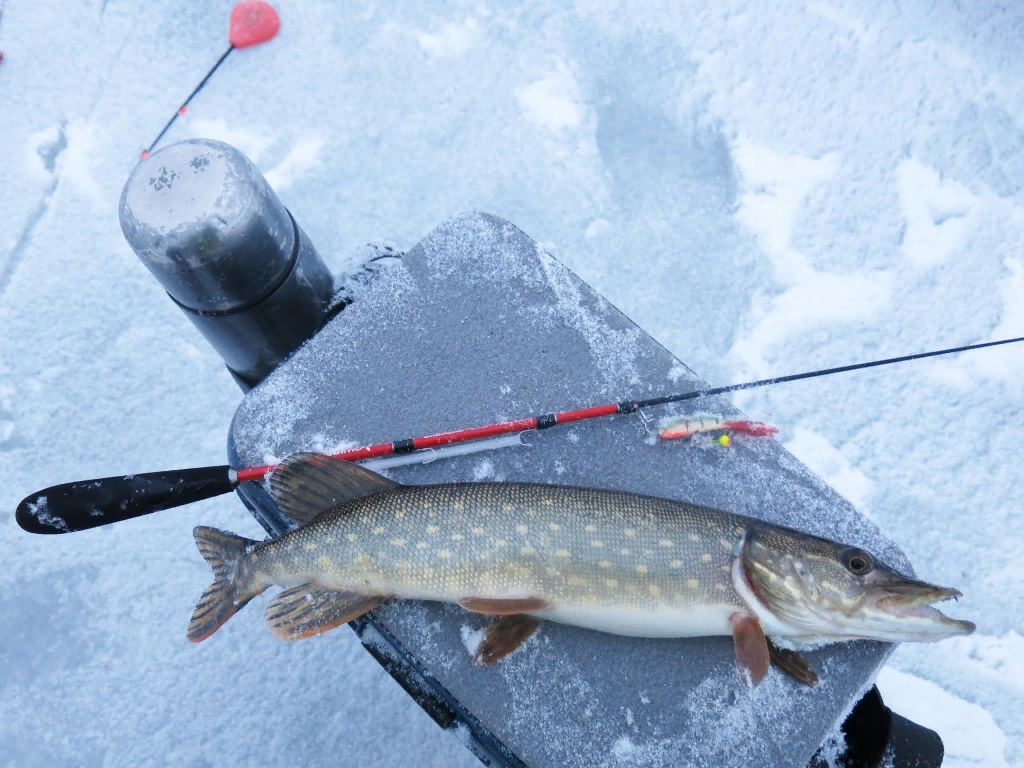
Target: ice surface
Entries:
(758, 189)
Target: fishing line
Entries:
(184, 105)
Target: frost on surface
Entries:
(632, 161)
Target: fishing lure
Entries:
(689, 427)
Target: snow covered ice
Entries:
(762, 190)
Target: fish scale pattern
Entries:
(573, 547)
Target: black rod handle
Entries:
(92, 503)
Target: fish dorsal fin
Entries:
(306, 484)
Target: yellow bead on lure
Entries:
(607, 560)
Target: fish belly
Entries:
(697, 621)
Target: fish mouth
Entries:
(910, 602)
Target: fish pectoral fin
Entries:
(792, 663)
(310, 609)
(503, 606)
(306, 484)
(503, 636)
(751, 646)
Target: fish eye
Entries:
(857, 561)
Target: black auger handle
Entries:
(91, 503)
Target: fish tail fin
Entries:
(222, 599)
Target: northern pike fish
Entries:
(608, 560)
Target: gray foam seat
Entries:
(477, 324)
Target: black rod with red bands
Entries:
(91, 503)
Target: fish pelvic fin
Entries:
(310, 609)
(504, 636)
(752, 655)
(504, 606)
(307, 484)
(221, 600)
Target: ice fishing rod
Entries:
(251, 22)
(91, 503)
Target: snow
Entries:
(762, 190)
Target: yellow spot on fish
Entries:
(562, 553)
(605, 563)
(329, 539)
(706, 557)
(522, 528)
(508, 507)
(694, 537)
(433, 529)
(457, 537)
(363, 560)
(676, 564)
(477, 531)
(525, 573)
(444, 554)
(630, 532)
(692, 583)
(726, 569)
(458, 506)
(485, 555)
(597, 543)
(641, 569)
(623, 551)
(551, 571)
(404, 565)
(400, 514)
(678, 596)
(310, 546)
(548, 503)
(576, 581)
(399, 542)
(421, 545)
(666, 542)
(351, 537)
(720, 587)
(379, 530)
(654, 589)
(500, 543)
(527, 551)
(591, 529)
(554, 526)
(726, 544)
(611, 582)
(324, 562)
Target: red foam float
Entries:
(252, 22)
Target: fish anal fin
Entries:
(503, 636)
(310, 609)
(793, 664)
(306, 484)
(751, 646)
(504, 606)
